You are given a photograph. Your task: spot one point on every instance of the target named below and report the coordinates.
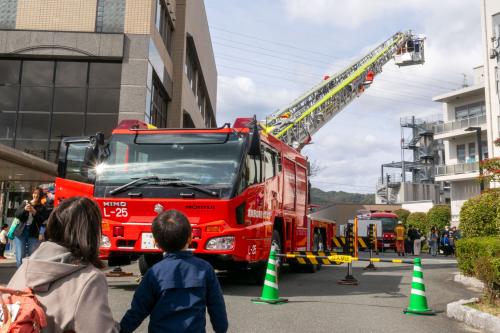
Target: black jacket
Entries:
(41, 216)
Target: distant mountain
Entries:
(322, 198)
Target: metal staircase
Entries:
(296, 123)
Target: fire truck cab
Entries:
(241, 189)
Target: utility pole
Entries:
(387, 181)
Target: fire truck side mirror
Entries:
(255, 148)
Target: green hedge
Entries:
(479, 215)
(402, 215)
(470, 249)
(480, 257)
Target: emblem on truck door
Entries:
(158, 208)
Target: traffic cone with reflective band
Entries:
(418, 301)
(270, 291)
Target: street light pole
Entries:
(480, 152)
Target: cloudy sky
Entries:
(268, 52)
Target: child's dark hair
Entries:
(171, 230)
(76, 225)
(4, 226)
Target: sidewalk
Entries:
(9, 262)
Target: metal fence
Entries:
(459, 124)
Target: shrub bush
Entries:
(439, 216)
(419, 220)
(480, 257)
(402, 215)
(479, 215)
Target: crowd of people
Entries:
(175, 293)
(411, 241)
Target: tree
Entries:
(418, 220)
(491, 167)
(480, 215)
(439, 216)
(402, 215)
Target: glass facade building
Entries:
(42, 101)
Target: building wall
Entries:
(56, 15)
(492, 73)
(461, 191)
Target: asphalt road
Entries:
(318, 304)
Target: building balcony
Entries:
(457, 127)
(457, 171)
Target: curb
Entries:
(468, 281)
(472, 317)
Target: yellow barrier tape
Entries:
(338, 258)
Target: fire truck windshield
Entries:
(209, 160)
(388, 223)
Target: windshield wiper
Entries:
(145, 180)
(193, 186)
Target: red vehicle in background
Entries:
(242, 190)
(389, 223)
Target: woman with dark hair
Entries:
(31, 216)
(64, 271)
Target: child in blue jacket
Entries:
(177, 291)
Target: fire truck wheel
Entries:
(148, 260)
(118, 261)
(276, 242)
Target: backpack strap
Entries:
(26, 292)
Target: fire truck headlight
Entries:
(105, 242)
(220, 243)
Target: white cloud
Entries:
(240, 97)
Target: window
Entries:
(484, 145)
(9, 71)
(191, 71)
(270, 167)
(461, 153)
(253, 171)
(71, 74)
(472, 152)
(164, 24)
(110, 16)
(470, 110)
(42, 101)
(158, 116)
(39, 73)
(187, 121)
(104, 74)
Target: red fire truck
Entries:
(241, 189)
(389, 222)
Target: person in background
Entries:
(64, 272)
(417, 242)
(3, 240)
(31, 215)
(412, 235)
(433, 241)
(178, 291)
(445, 243)
(400, 239)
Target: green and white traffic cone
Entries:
(418, 301)
(270, 291)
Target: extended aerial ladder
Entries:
(296, 123)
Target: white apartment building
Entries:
(490, 22)
(464, 115)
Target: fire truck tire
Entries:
(146, 261)
(276, 241)
(118, 261)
